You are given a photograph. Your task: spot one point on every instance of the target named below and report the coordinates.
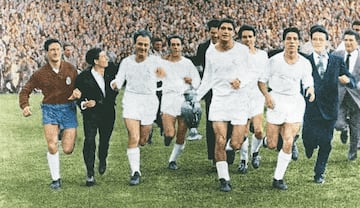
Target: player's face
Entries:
(142, 46)
(103, 60)
(350, 43)
(226, 32)
(248, 38)
(54, 52)
(291, 42)
(158, 46)
(214, 35)
(175, 47)
(318, 41)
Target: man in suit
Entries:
(199, 60)
(97, 104)
(349, 112)
(320, 116)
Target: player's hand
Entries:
(89, 103)
(27, 111)
(310, 94)
(160, 72)
(343, 79)
(269, 103)
(188, 80)
(75, 95)
(235, 84)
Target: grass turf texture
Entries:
(25, 177)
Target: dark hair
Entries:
(49, 42)
(66, 45)
(291, 29)
(143, 33)
(319, 28)
(352, 32)
(356, 22)
(244, 28)
(212, 23)
(227, 20)
(168, 38)
(156, 39)
(91, 55)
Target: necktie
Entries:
(347, 61)
(321, 67)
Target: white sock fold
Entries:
(223, 170)
(134, 159)
(54, 165)
(281, 165)
(177, 149)
(255, 144)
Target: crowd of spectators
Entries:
(26, 24)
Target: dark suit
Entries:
(320, 116)
(350, 107)
(99, 118)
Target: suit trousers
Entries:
(103, 124)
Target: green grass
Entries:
(25, 178)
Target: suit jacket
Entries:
(90, 90)
(326, 104)
(199, 59)
(353, 92)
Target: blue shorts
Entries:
(63, 115)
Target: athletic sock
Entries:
(281, 165)
(177, 149)
(223, 170)
(54, 165)
(134, 159)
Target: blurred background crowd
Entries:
(26, 24)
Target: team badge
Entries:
(68, 80)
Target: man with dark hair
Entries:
(320, 116)
(349, 112)
(97, 104)
(285, 104)
(56, 80)
(140, 103)
(225, 74)
(199, 60)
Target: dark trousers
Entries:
(92, 124)
(210, 135)
(318, 133)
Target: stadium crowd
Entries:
(26, 24)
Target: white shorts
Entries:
(171, 104)
(288, 109)
(233, 108)
(256, 104)
(140, 107)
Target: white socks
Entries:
(281, 165)
(54, 165)
(244, 151)
(222, 170)
(255, 144)
(178, 148)
(134, 159)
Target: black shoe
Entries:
(255, 161)
(352, 156)
(294, 152)
(344, 136)
(167, 140)
(319, 179)
(230, 157)
(242, 169)
(279, 184)
(102, 167)
(135, 179)
(90, 181)
(309, 152)
(225, 185)
(55, 185)
(172, 166)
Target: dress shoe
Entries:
(135, 179)
(319, 179)
(102, 167)
(90, 181)
(242, 169)
(344, 136)
(167, 140)
(352, 156)
(55, 185)
(225, 186)
(172, 166)
(279, 184)
(309, 152)
(255, 161)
